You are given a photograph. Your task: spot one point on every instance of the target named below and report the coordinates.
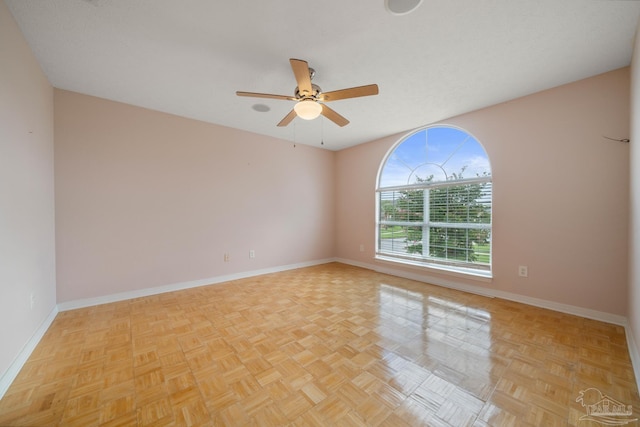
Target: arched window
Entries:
(434, 202)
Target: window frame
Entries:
(464, 268)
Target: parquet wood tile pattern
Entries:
(327, 345)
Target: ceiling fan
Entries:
(309, 97)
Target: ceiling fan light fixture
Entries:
(308, 109)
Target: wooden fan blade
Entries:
(352, 92)
(303, 78)
(287, 119)
(333, 116)
(266, 95)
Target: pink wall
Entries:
(634, 232)
(27, 257)
(560, 194)
(145, 199)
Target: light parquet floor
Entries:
(327, 345)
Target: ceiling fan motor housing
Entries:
(316, 92)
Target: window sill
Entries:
(467, 273)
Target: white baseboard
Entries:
(633, 354)
(123, 296)
(14, 369)
(493, 293)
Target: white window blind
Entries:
(444, 222)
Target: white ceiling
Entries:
(188, 57)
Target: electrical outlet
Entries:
(252, 253)
(523, 271)
(361, 247)
(226, 257)
(33, 300)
